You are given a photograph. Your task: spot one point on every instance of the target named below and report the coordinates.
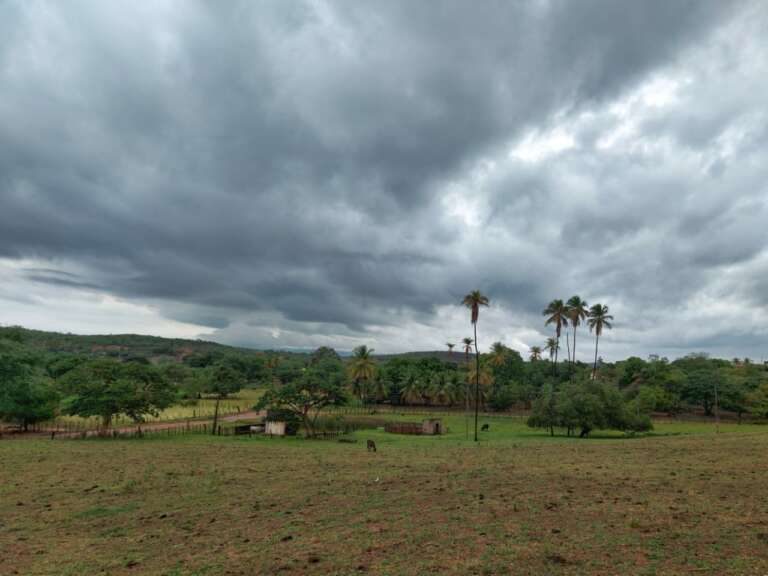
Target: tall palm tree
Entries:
(556, 314)
(599, 319)
(362, 369)
(552, 347)
(577, 313)
(450, 348)
(473, 301)
(467, 351)
(535, 353)
(467, 347)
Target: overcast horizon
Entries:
(294, 175)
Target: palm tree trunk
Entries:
(477, 380)
(574, 347)
(466, 396)
(594, 370)
(554, 366)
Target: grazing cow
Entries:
(371, 446)
(485, 428)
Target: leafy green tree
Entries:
(702, 387)
(757, 401)
(474, 300)
(188, 382)
(106, 387)
(221, 380)
(587, 406)
(535, 353)
(27, 395)
(321, 384)
(545, 412)
(630, 370)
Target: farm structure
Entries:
(430, 427)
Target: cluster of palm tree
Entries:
(439, 390)
(574, 313)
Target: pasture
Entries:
(681, 501)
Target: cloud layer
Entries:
(293, 174)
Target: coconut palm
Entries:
(362, 369)
(556, 314)
(468, 342)
(577, 313)
(485, 384)
(552, 347)
(473, 301)
(498, 354)
(467, 348)
(380, 388)
(535, 353)
(411, 392)
(599, 319)
(450, 348)
(455, 389)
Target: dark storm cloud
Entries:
(290, 160)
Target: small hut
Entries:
(274, 428)
(432, 427)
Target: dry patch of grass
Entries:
(513, 505)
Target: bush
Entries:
(588, 406)
(502, 398)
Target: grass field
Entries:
(203, 408)
(685, 501)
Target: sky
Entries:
(294, 174)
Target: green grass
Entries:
(203, 408)
(682, 500)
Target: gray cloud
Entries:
(334, 171)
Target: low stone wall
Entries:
(404, 428)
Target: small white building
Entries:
(274, 428)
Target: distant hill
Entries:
(159, 349)
(124, 346)
(442, 355)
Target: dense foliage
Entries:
(38, 383)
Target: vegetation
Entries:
(320, 385)
(105, 388)
(27, 395)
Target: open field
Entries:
(684, 501)
(198, 409)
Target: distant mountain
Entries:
(124, 346)
(159, 349)
(442, 355)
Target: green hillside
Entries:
(122, 346)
